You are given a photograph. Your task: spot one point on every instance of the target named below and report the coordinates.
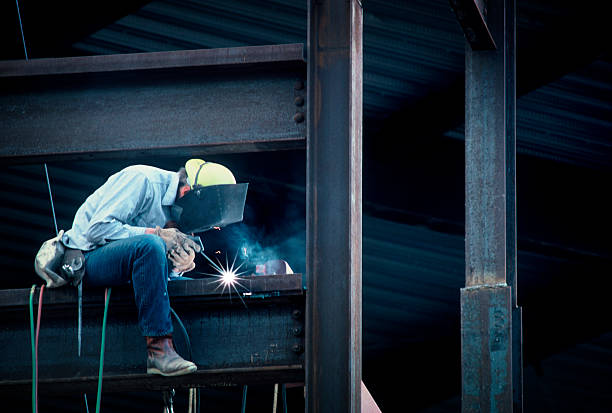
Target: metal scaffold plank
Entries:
(195, 101)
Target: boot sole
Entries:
(187, 370)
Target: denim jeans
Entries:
(141, 261)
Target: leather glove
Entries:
(182, 259)
(175, 239)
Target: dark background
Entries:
(413, 186)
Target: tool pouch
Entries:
(59, 265)
(73, 266)
(48, 261)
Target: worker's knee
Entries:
(153, 246)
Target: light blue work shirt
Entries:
(130, 201)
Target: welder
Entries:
(129, 232)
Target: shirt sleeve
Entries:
(117, 203)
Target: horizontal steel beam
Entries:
(166, 103)
(206, 289)
(471, 17)
(255, 337)
(117, 383)
(222, 57)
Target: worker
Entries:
(122, 230)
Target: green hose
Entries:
(106, 301)
(33, 350)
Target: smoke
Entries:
(265, 234)
(274, 224)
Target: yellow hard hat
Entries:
(202, 173)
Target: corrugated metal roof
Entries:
(410, 50)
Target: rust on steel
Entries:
(287, 53)
(231, 342)
(488, 332)
(334, 203)
(165, 103)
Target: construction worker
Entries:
(122, 232)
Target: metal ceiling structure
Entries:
(413, 245)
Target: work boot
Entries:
(163, 359)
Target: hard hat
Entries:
(201, 173)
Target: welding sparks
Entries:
(227, 276)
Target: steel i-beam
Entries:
(231, 342)
(334, 153)
(471, 17)
(164, 103)
(487, 300)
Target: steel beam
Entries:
(334, 200)
(511, 234)
(485, 159)
(165, 103)
(470, 16)
(486, 349)
(486, 301)
(231, 342)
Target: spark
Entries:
(227, 276)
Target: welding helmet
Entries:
(215, 199)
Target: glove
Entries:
(182, 259)
(175, 239)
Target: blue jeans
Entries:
(140, 260)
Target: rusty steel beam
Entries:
(471, 15)
(487, 305)
(485, 159)
(334, 203)
(486, 350)
(165, 103)
(261, 340)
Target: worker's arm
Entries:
(117, 203)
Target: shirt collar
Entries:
(170, 195)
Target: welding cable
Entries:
(184, 333)
(33, 349)
(42, 288)
(107, 294)
(244, 398)
(284, 397)
(188, 341)
(25, 49)
(274, 402)
(51, 199)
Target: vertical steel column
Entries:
(511, 250)
(333, 240)
(486, 301)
